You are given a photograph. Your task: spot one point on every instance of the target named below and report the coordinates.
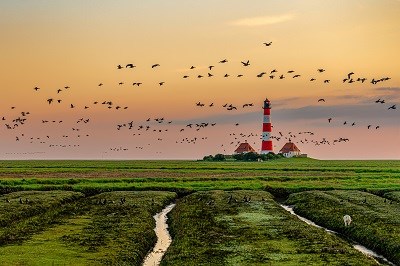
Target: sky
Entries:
(79, 44)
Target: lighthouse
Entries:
(266, 145)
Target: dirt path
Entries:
(163, 238)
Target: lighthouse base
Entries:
(266, 152)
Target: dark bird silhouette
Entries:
(100, 84)
(119, 67)
(246, 63)
(240, 75)
(261, 74)
(223, 61)
(369, 126)
(155, 65)
(349, 75)
(329, 120)
(185, 77)
(296, 76)
(267, 43)
(320, 70)
(312, 79)
(326, 81)
(210, 67)
(321, 100)
(161, 83)
(50, 100)
(392, 107)
(192, 67)
(36, 88)
(376, 127)
(130, 66)
(353, 124)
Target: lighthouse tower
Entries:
(266, 145)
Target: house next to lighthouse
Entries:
(244, 148)
(290, 150)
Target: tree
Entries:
(250, 156)
(208, 158)
(219, 157)
(238, 156)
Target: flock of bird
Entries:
(159, 126)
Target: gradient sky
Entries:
(53, 44)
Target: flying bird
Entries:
(155, 65)
(321, 100)
(392, 107)
(246, 63)
(223, 61)
(267, 43)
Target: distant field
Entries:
(279, 176)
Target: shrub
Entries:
(219, 157)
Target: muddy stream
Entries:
(163, 238)
(378, 258)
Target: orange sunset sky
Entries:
(79, 44)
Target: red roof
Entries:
(288, 147)
(244, 147)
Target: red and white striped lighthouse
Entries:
(266, 145)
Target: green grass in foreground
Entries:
(208, 230)
(94, 233)
(27, 212)
(376, 220)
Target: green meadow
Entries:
(227, 213)
(278, 176)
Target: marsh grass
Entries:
(376, 220)
(207, 230)
(96, 230)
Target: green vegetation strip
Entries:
(27, 212)
(376, 220)
(114, 228)
(292, 175)
(249, 228)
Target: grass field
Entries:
(279, 176)
(97, 230)
(69, 212)
(376, 220)
(209, 228)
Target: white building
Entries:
(290, 150)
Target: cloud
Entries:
(312, 113)
(262, 21)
